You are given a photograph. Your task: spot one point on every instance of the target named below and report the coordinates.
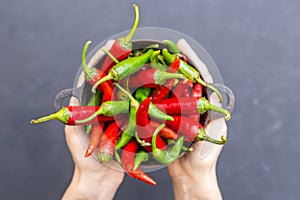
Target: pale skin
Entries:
(193, 178)
(91, 180)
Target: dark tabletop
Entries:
(256, 45)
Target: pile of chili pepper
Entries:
(146, 104)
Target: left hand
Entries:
(91, 179)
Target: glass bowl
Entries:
(197, 57)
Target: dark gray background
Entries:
(256, 45)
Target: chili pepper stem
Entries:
(204, 105)
(216, 91)
(141, 142)
(199, 80)
(168, 156)
(133, 102)
(161, 76)
(88, 73)
(219, 110)
(109, 76)
(202, 136)
(110, 55)
(91, 117)
(61, 115)
(187, 149)
(130, 35)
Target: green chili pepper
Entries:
(162, 60)
(117, 157)
(168, 156)
(140, 157)
(108, 108)
(172, 46)
(138, 52)
(184, 148)
(155, 62)
(202, 136)
(125, 68)
(142, 142)
(141, 94)
(203, 106)
(94, 101)
(129, 131)
(190, 72)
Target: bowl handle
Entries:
(57, 104)
(229, 94)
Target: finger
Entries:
(74, 102)
(215, 129)
(76, 139)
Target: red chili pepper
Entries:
(174, 65)
(93, 75)
(162, 91)
(107, 142)
(177, 106)
(142, 119)
(188, 106)
(122, 127)
(197, 92)
(122, 47)
(128, 156)
(184, 126)
(108, 88)
(165, 132)
(192, 130)
(96, 133)
(144, 129)
(183, 89)
(184, 58)
(69, 114)
(125, 68)
(170, 155)
(152, 78)
(160, 143)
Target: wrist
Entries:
(198, 186)
(91, 186)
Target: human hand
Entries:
(91, 179)
(194, 177)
